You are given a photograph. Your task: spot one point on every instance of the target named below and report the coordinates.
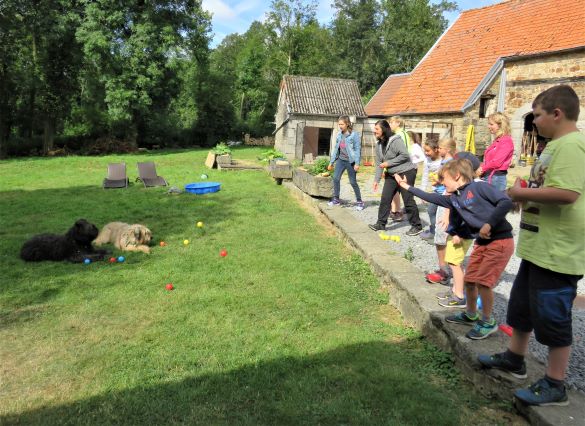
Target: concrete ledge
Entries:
(416, 301)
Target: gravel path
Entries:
(425, 259)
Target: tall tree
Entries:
(130, 47)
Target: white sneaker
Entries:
(359, 206)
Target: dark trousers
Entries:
(390, 188)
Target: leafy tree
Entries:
(130, 48)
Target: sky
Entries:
(235, 16)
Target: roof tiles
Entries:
(445, 79)
(322, 96)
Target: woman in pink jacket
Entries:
(498, 156)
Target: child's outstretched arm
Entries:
(440, 200)
(544, 195)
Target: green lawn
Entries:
(290, 328)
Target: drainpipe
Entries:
(502, 91)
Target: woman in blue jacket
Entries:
(346, 156)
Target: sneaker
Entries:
(453, 302)
(501, 362)
(444, 294)
(543, 393)
(482, 329)
(438, 277)
(334, 202)
(462, 318)
(414, 231)
(427, 235)
(359, 206)
(396, 216)
(377, 227)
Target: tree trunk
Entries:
(49, 134)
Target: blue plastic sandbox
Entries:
(202, 187)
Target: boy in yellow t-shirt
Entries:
(552, 247)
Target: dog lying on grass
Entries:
(125, 237)
(74, 246)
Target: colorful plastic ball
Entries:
(204, 176)
(169, 286)
(113, 260)
(186, 242)
(121, 259)
(199, 224)
(87, 261)
(523, 183)
(162, 244)
(223, 253)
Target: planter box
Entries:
(225, 159)
(280, 169)
(213, 160)
(315, 186)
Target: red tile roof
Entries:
(445, 79)
(389, 89)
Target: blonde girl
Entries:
(498, 156)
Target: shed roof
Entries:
(452, 70)
(322, 96)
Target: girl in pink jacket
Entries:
(498, 156)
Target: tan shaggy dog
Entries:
(125, 237)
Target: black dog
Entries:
(74, 246)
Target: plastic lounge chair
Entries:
(147, 174)
(116, 176)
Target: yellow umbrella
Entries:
(470, 140)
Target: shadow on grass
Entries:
(27, 213)
(369, 383)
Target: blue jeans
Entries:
(340, 167)
(432, 211)
(498, 181)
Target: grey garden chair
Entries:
(116, 176)
(147, 174)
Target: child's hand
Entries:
(456, 239)
(330, 167)
(401, 181)
(514, 190)
(382, 165)
(486, 231)
(375, 186)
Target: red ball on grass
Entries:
(169, 286)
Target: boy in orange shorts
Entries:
(483, 210)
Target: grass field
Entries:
(291, 327)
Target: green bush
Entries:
(222, 149)
(270, 154)
(320, 166)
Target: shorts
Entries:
(455, 253)
(487, 262)
(441, 235)
(542, 300)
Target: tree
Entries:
(131, 49)
(357, 39)
(410, 29)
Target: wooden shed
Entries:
(308, 111)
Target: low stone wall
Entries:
(315, 186)
(264, 141)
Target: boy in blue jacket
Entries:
(482, 209)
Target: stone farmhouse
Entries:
(495, 58)
(307, 114)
